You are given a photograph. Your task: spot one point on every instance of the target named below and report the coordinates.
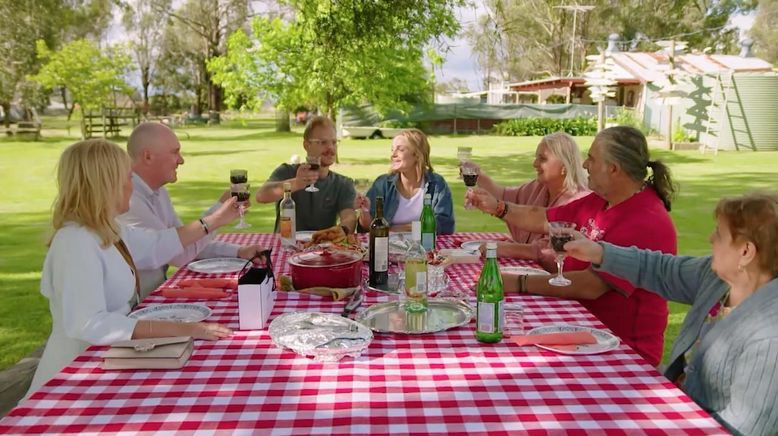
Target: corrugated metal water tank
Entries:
(758, 94)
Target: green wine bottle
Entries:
(379, 247)
(428, 224)
(490, 313)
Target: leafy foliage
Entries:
(580, 126)
(81, 67)
(765, 30)
(335, 53)
(527, 39)
(142, 23)
(628, 117)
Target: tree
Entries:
(334, 53)
(765, 30)
(80, 67)
(21, 24)
(210, 21)
(145, 35)
(530, 39)
(455, 85)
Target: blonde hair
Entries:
(420, 147)
(564, 147)
(90, 178)
(754, 217)
(317, 121)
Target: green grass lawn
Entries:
(27, 173)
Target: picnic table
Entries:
(438, 383)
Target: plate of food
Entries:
(217, 265)
(524, 271)
(303, 236)
(475, 245)
(605, 341)
(179, 312)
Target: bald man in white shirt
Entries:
(156, 154)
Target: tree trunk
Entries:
(282, 120)
(7, 117)
(64, 93)
(145, 97)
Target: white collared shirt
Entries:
(153, 210)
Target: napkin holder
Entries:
(151, 353)
(256, 296)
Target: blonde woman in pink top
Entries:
(560, 180)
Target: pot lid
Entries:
(325, 258)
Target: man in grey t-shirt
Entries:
(335, 198)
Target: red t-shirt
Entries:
(637, 316)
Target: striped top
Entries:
(736, 364)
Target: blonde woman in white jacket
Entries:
(89, 275)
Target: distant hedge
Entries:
(581, 126)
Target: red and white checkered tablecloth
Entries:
(439, 383)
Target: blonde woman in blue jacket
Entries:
(410, 177)
(726, 355)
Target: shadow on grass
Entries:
(264, 135)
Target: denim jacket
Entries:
(442, 207)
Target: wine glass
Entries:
(243, 192)
(470, 176)
(313, 162)
(239, 176)
(560, 232)
(463, 155)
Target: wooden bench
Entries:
(22, 128)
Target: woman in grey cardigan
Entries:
(726, 355)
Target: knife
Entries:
(353, 303)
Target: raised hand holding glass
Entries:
(243, 193)
(314, 163)
(560, 233)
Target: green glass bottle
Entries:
(490, 313)
(428, 224)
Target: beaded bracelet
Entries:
(499, 212)
(504, 211)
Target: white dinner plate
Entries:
(217, 265)
(605, 341)
(524, 270)
(474, 245)
(303, 236)
(179, 312)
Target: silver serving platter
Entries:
(393, 285)
(326, 337)
(441, 315)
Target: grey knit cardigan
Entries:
(736, 364)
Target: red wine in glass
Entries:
(242, 196)
(314, 166)
(558, 242)
(470, 179)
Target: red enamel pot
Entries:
(326, 267)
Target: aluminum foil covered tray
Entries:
(324, 336)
